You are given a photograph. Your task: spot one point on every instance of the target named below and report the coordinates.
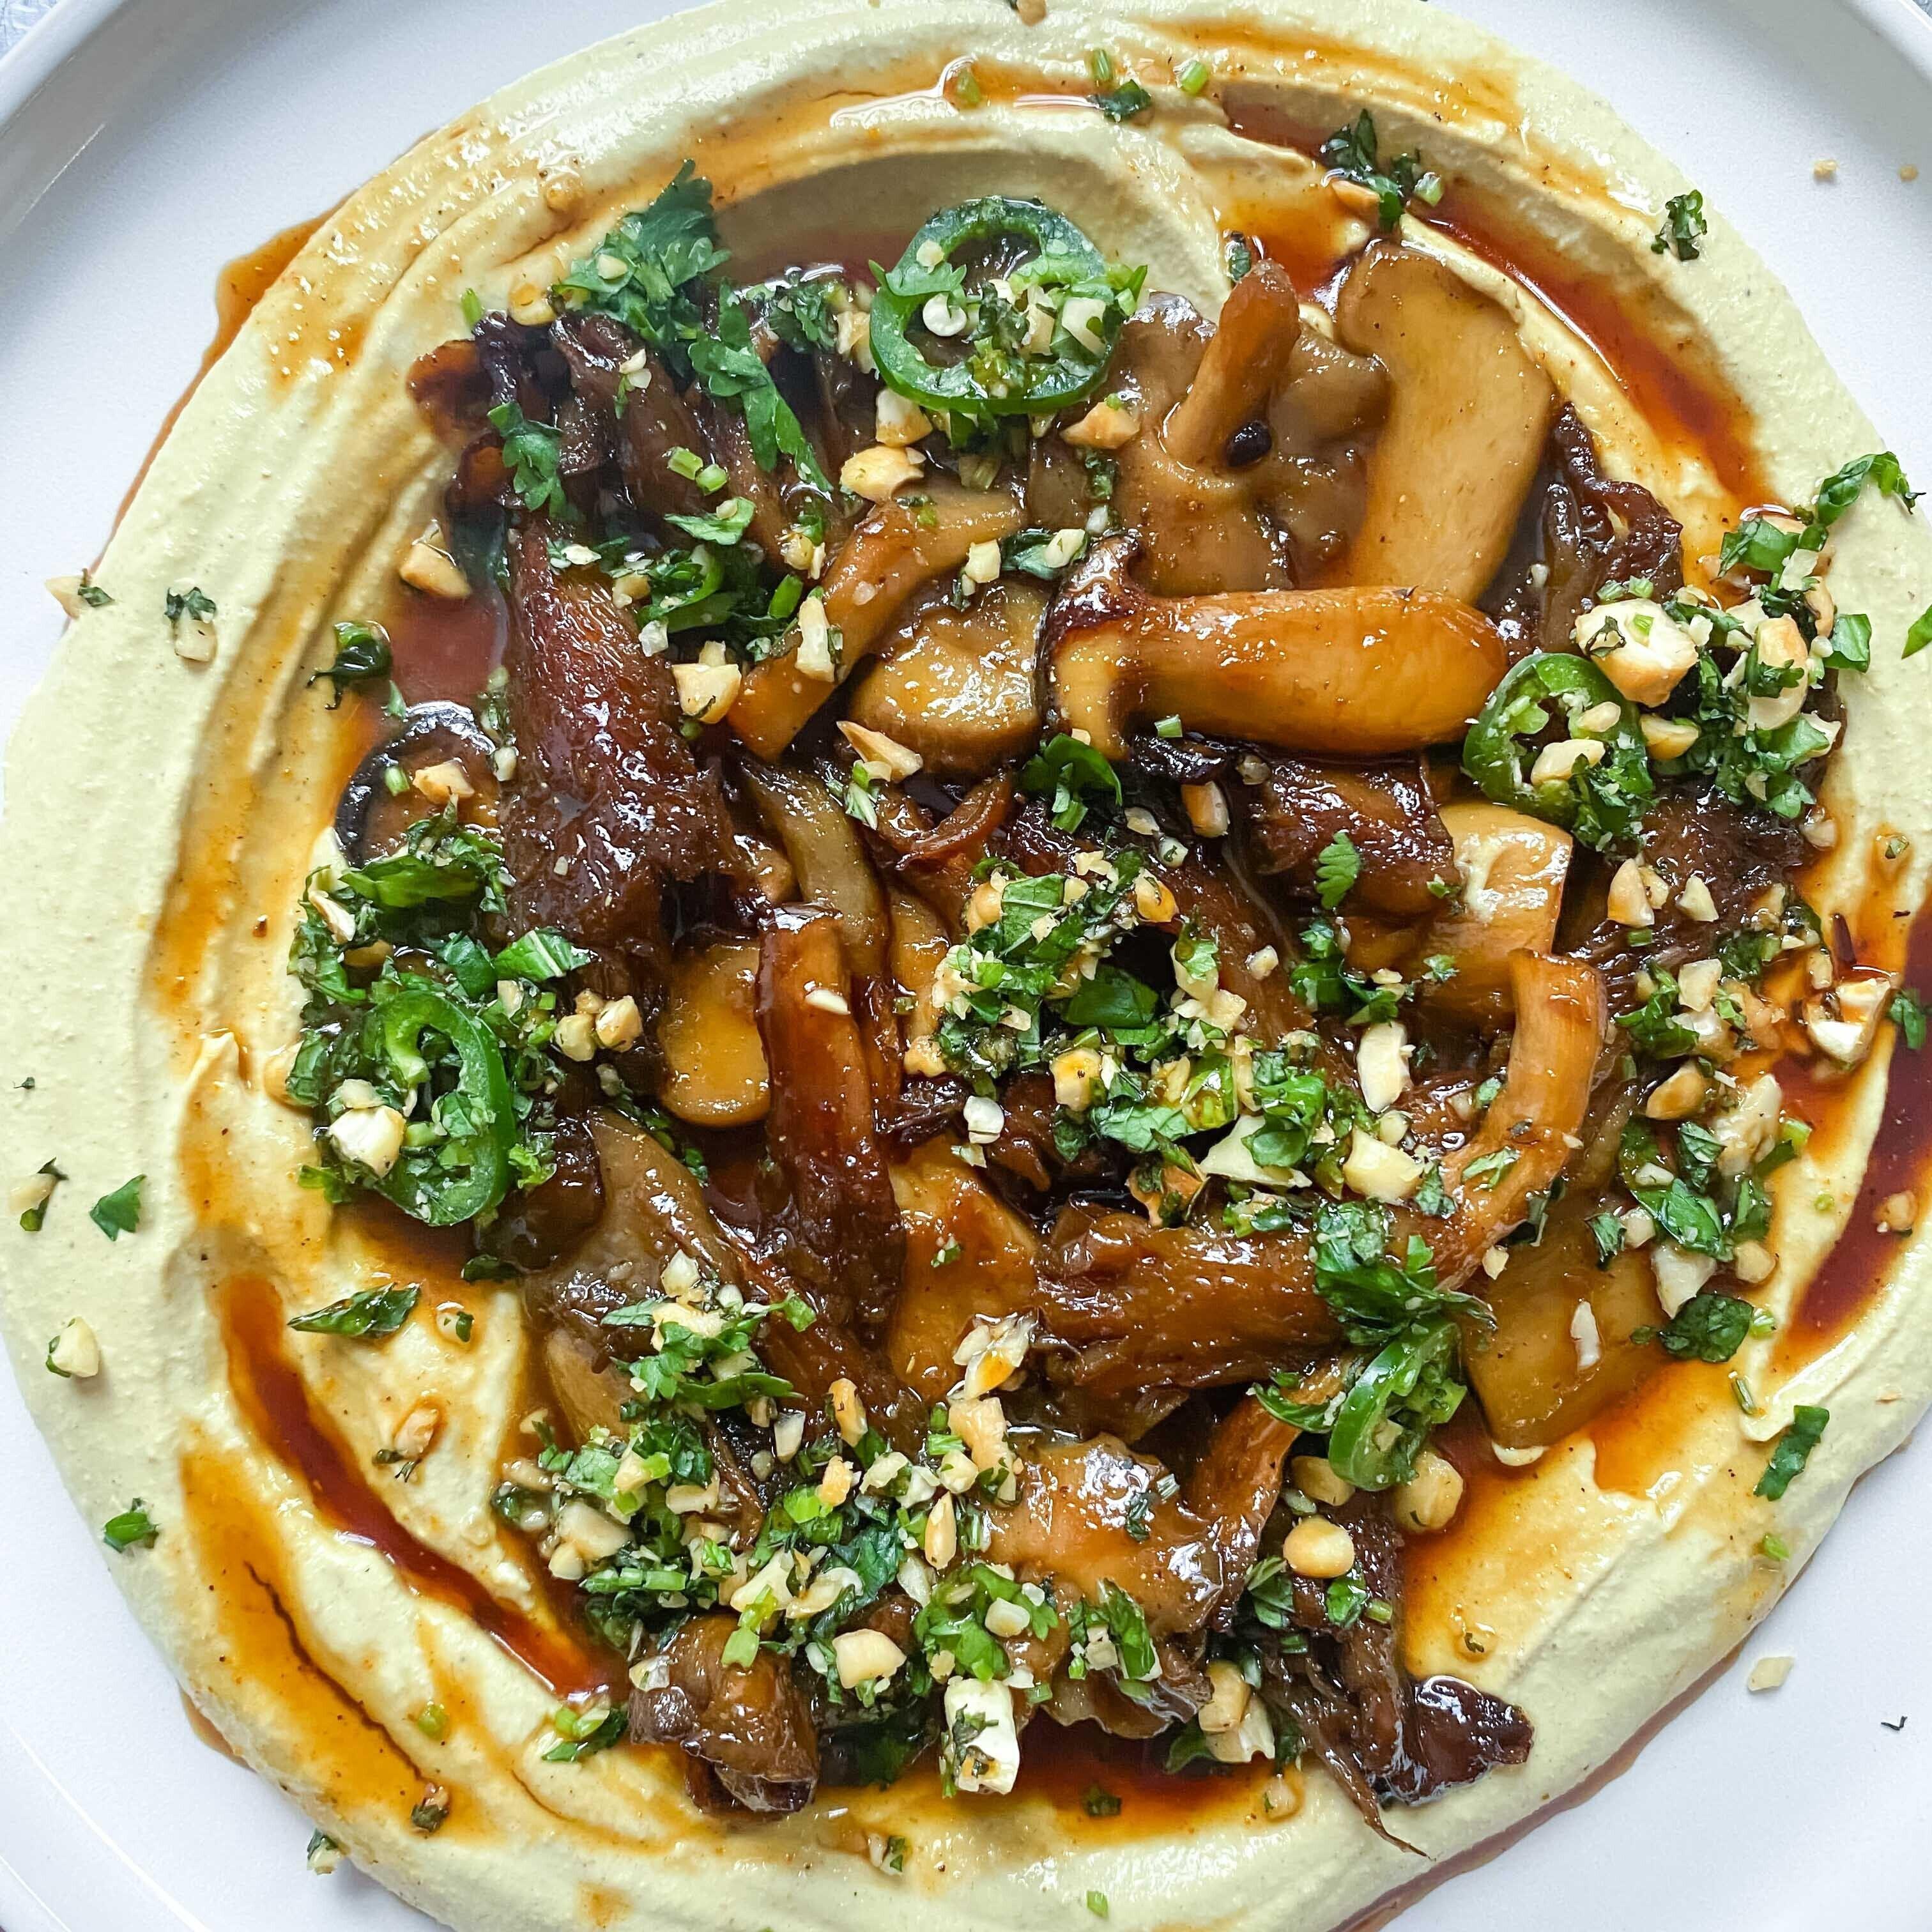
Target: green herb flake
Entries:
(119, 1212)
(193, 603)
(1336, 868)
(431, 1812)
(581, 1734)
(1124, 103)
(361, 654)
(1683, 227)
(533, 451)
(541, 954)
(1352, 152)
(368, 1315)
(1097, 1903)
(1098, 1802)
(1076, 775)
(1920, 634)
(1793, 1451)
(133, 1526)
(1907, 1012)
(1194, 77)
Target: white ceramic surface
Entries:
(143, 143)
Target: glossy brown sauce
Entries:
(1861, 1260)
(280, 1410)
(260, 1656)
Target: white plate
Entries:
(145, 142)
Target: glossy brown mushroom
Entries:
(896, 549)
(1356, 673)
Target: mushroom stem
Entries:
(1560, 1018)
(1355, 673)
(1245, 362)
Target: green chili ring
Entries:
(1366, 1445)
(459, 1178)
(1493, 753)
(1068, 374)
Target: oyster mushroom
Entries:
(1354, 672)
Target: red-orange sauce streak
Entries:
(1901, 1163)
(276, 1403)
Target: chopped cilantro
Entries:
(1352, 152)
(541, 954)
(362, 653)
(1920, 634)
(1793, 1451)
(194, 603)
(1907, 1012)
(1075, 774)
(369, 1314)
(1336, 868)
(732, 371)
(1123, 103)
(119, 1212)
(1709, 1327)
(33, 1219)
(1683, 227)
(533, 450)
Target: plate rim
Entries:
(36, 62)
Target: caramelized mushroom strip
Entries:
(823, 843)
(1560, 1020)
(1297, 809)
(1247, 357)
(1356, 673)
(826, 1351)
(650, 1209)
(958, 687)
(967, 1254)
(1513, 868)
(652, 419)
(1469, 409)
(1080, 1505)
(609, 802)
(1235, 1486)
(820, 1128)
(714, 1059)
(936, 861)
(896, 550)
(1137, 1306)
(746, 1731)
